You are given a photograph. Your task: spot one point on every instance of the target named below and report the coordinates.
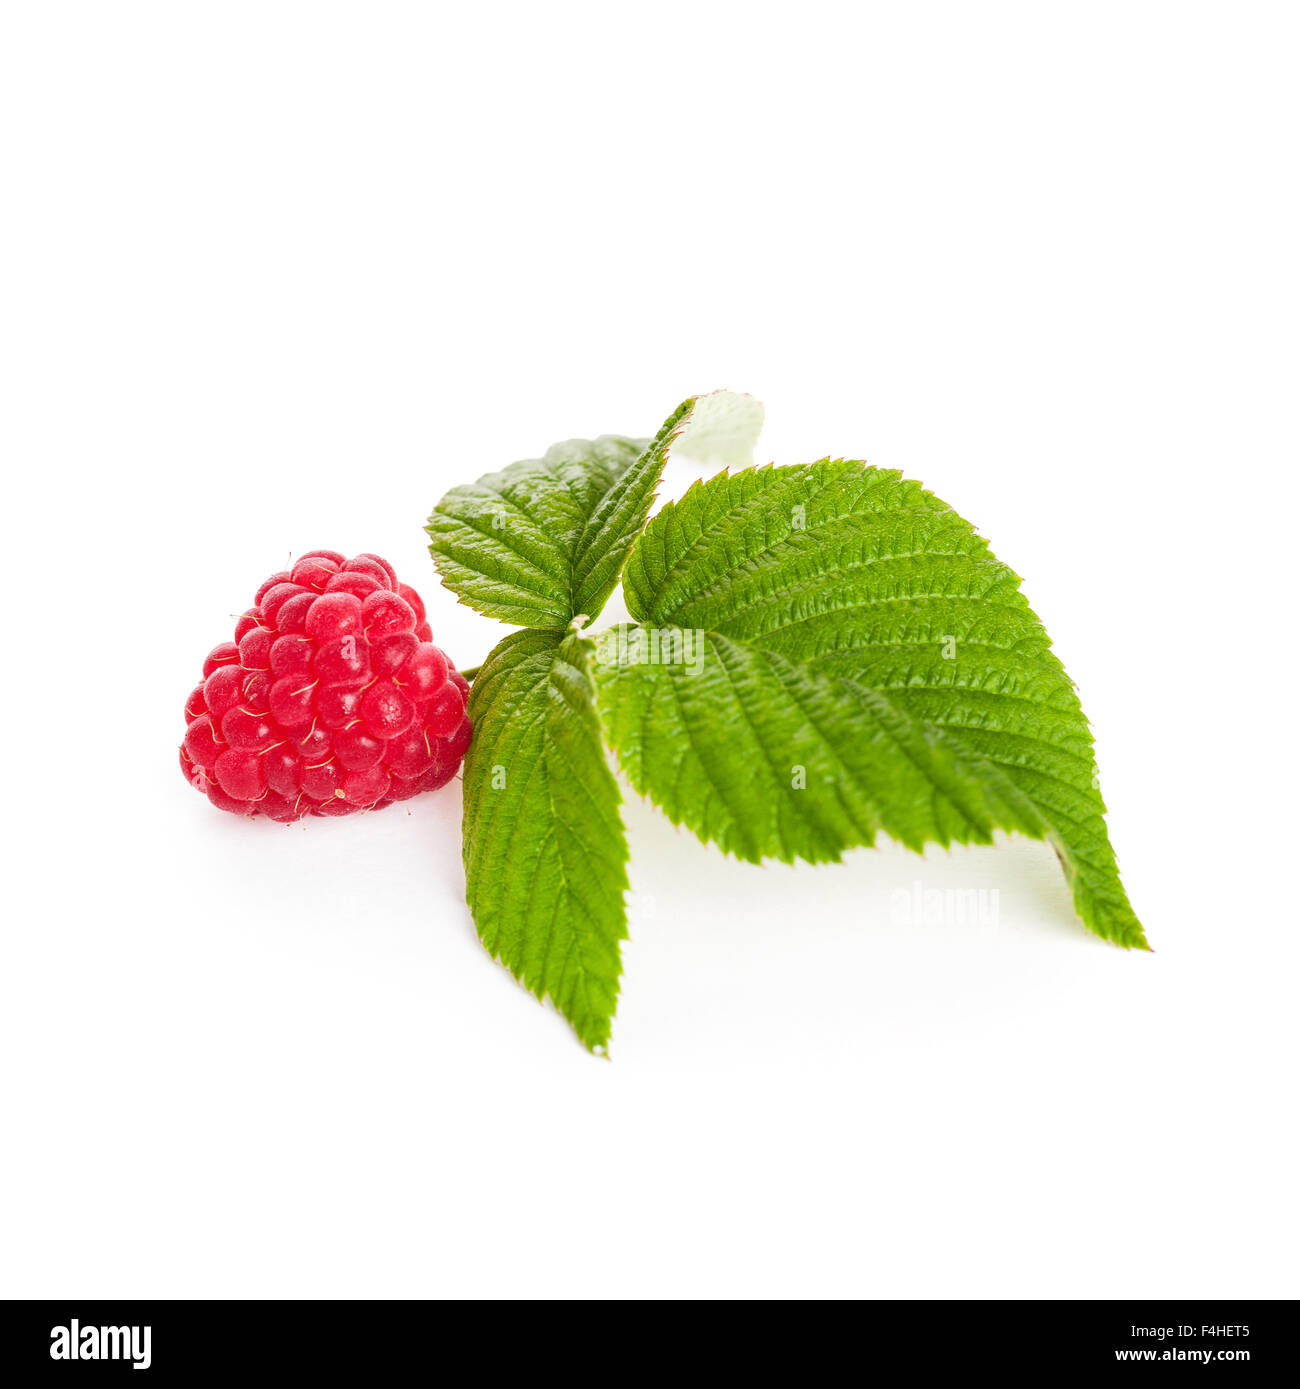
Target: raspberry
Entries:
(332, 698)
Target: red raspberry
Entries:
(332, 697)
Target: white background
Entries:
(275, 276)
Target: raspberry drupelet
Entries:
(332, 697)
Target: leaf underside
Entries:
(857, 627)
(544, 848)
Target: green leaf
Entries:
(505, 544)
(617, 521)
(853, 573)
(544, 848)
(545, 539)
(771, 760)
